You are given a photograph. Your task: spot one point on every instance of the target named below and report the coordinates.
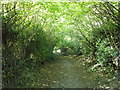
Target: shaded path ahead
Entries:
(66, 72)
(73, 74)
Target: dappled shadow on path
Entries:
(73, 75)
(65, 72)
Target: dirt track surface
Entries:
(65, 72)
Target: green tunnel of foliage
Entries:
(31, 31)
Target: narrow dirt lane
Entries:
(73, 74)
(70, 74)
(66, 72)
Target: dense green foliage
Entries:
(32, 31)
